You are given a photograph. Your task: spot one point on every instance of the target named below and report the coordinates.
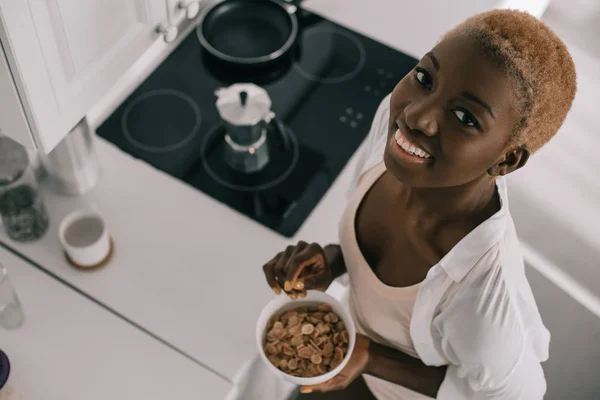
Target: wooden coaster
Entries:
(101, 264)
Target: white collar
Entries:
(465, 254)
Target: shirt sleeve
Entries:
(371, 151)
(524, 382)
(487, 346)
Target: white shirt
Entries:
(475, 311)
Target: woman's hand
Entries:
(297, 269)
(355, 367)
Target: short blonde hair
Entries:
(537, 62)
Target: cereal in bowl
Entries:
(306, 341)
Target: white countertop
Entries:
(187, 268)
(71, 348)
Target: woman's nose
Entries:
(422, 116)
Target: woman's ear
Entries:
(512, 161)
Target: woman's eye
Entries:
(466, 118)
(423, 77)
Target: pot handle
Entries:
(291, 6)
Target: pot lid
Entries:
(243, 104)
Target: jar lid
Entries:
(13, 160)
(4, 369)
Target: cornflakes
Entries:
(307, 341)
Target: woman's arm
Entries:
(386, 363)
(395, 366)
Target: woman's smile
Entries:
(406, 152)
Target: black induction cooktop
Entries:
(325, 93)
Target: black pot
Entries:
(249, 33)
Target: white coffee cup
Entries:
(85, 238)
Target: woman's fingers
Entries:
(310, 255)
(268, 269)
(315, 281)
(291, 264)
(298, 269)
(336, 383)
(279, 269)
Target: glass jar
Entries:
(22, 209)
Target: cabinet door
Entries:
(65, 54)
(13, 122)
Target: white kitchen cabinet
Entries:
(63, 55)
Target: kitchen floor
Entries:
(554, 202)
(572, 370)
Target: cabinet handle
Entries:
(169, 32)
(191, 9)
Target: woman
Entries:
(437, 283)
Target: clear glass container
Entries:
(12, 315)
(22, 208)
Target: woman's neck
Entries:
(471, 200)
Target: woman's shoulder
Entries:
(487, 293)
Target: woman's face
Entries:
(456, 106)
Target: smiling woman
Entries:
(438, 292)
(478, 82)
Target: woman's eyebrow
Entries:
(472, 97)
(434, 60)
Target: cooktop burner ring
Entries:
(170, 147)
(244, 188)
(336, 79)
